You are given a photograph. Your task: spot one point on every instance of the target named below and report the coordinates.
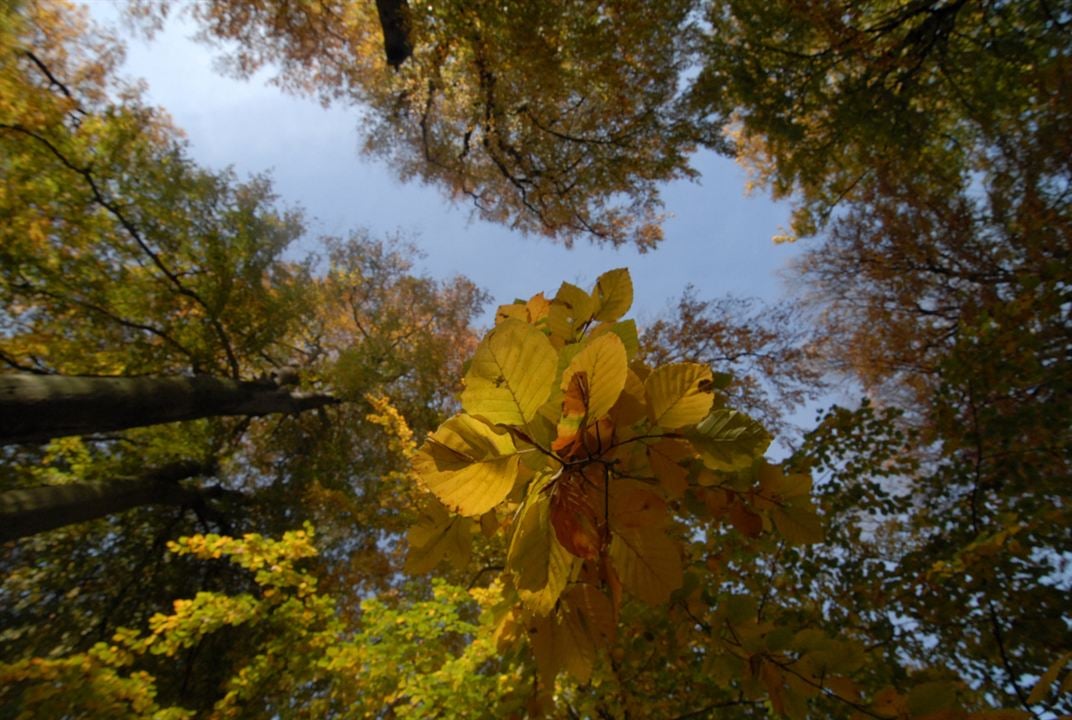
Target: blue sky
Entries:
(718, 239)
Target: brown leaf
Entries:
(574, 517)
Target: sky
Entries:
(717, 238)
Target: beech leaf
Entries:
(679, 394)
(512, 374)
(468, 465)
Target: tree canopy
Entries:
(568, 514)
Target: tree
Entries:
(767, 350)
(628, 550)
(829, 101)
(534, 112)
(124, 260)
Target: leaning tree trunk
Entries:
(28, 511)
(35, 408)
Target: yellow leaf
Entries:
(512, 374)
(1042, 687)
(679, 394)
(515, 311)
(665, 458)
(540, 565)
(614, 295)
(469, 465)
(775, 484)
(604, 364)
(647, 561)
(571, 309)
(633, 506)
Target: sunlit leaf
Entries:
(680, 394)
(511, 374)
(603, 362)
(614, 295)
(469, 465)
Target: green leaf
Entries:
(679, 394)
(626, 330)
(729, 440)
(614, 295)
(469, 465)
(511, 375)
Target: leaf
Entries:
(511, 375)
(888, 703)
(747, 522)
(438, 535)
(560, 565)
(931, 697)
(631, 406)
(626, 330)
(540, 565)
(1042, 687)
(798, 524)
(569, 311)
(647, 561)
(729, 440)
(603, 362)
(679, 394)
(613, 294)
(572, 639)
(586, 629)
(531, 540)
(665, 457)
(469, 465)
(575, 517)
(776, 485)
(633, 506)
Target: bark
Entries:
(36, 408)
(395, 23)
(28, 511)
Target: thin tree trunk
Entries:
(36, 408)
(28, 511)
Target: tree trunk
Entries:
(36, 408)
(29, 511)
(395, 24)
